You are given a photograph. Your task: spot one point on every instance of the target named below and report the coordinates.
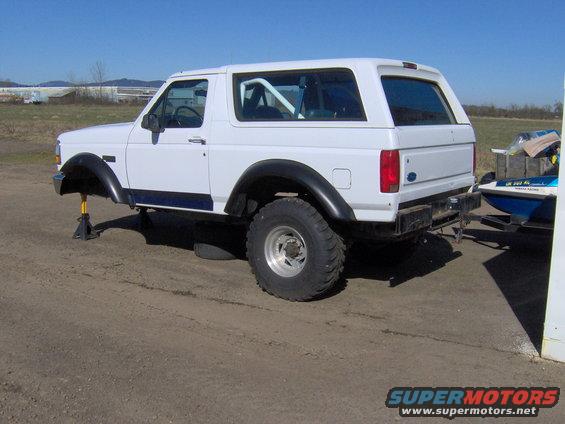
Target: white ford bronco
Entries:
(312, 156)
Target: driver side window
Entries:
(182, 105)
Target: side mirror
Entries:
(151, 122)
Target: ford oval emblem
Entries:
(411, 177)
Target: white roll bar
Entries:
(243, 86)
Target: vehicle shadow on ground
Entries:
(434, 253)
(168, 229)
(521, 272)
(174, 230)
(177, 231)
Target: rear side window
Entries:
(416, 102)
(308, 95)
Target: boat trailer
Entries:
(502, 222)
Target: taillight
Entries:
(474, 158)
(390, 171)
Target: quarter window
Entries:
(182, 105)
(308, 95)
(416, 102)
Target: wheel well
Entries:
(80, 179)
(268, 179)
(267, 189)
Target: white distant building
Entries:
(43, 94)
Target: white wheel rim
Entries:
(285, 251)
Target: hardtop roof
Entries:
(300, 64)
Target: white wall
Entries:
(553, 346)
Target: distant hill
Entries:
(55, 84)
(11, 84)
(126, 82)
(122, 82)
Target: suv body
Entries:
(381, 149)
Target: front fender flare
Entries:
(326, 194)
(100, 169)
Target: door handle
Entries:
(197, 140)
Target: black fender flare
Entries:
(102, 171)
(326, 194)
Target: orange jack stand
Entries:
(85, 230)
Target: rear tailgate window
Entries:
(416, 102)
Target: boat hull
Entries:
(531, 199)
(529, 209)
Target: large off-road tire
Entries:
(293, 252)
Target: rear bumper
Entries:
(58, 182)
(430, 214)
(438, 214)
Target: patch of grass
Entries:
(498, 133)
(40, 124)
(29, 158)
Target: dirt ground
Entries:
(132, 327)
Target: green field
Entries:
(28, 132)
(498, 133)
(40, 124)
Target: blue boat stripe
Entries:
(172, 199)
(544, 181)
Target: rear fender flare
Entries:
(326, 194)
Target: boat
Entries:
(525, 199)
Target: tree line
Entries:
(517, 111)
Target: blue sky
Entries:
(491, 51)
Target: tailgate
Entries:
(434, 136)
(436, 163)
(432, 155)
